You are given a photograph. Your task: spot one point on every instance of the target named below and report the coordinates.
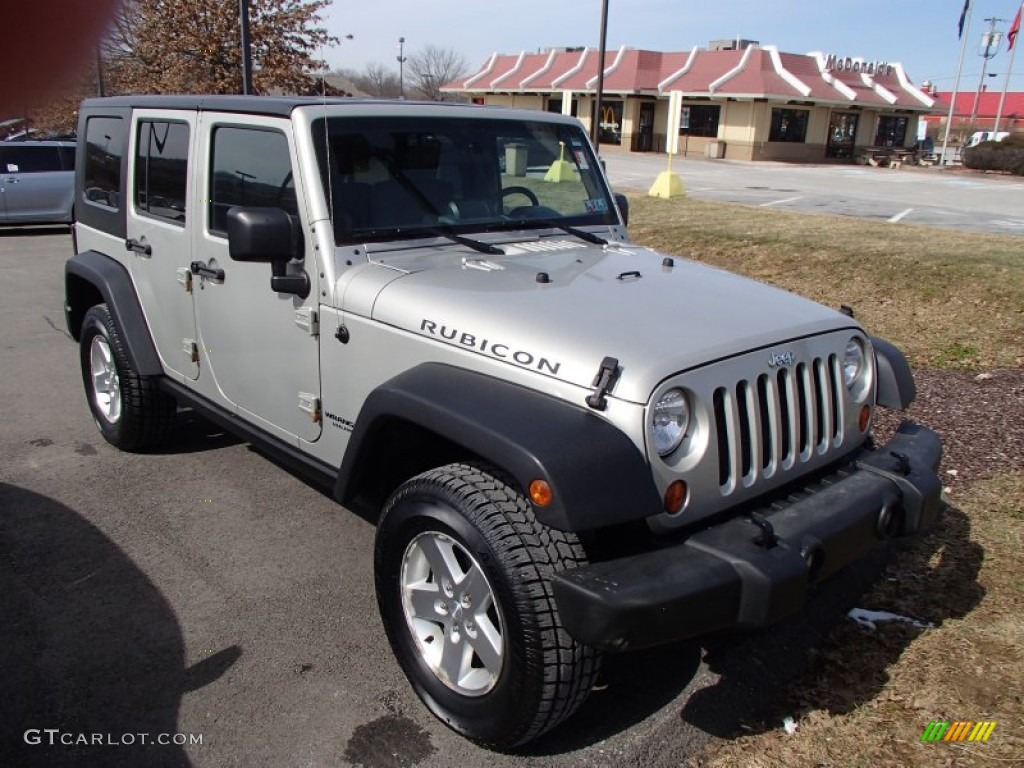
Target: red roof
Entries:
(988, 104)
(758, 72)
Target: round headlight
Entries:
(669, 420)
(853, 362)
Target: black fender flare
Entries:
(597, 475)
(114, 285)
(896, 388)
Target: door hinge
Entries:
(185, 278)
(191, 350)
(308, 321)
(310, 404)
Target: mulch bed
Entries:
(980, 418)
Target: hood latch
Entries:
(606, 377)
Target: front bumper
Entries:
(733, 575)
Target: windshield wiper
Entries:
(476, 245)
(582, 234)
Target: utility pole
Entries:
(246, 48)
(991, 41)
(401, 67)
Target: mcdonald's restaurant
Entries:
(735, 99)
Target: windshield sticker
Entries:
(581, 159)
(596, 205)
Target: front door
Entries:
(646, 137)
(159, 244)
(259, 346)
(842, 132)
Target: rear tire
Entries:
(130, 411)
(462, 575)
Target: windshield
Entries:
(403, 176)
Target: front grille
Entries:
(777, 421)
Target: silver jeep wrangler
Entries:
(576, 445)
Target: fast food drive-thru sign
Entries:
(835, 63)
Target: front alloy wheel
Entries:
(452, 613)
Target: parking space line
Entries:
(780, 202)
(900, 215)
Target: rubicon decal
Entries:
(501, 351)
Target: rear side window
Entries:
(249, 167)
(30, 159)
(161, 169)
(104, 149)
(67, 157)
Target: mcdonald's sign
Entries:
(958, 730)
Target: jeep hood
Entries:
(560, 307)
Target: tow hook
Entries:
(766, 538)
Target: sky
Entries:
(920, 35)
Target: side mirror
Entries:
(268, 235)
(623, 202)
(261, 235)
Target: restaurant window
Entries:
(611, 122)
(699, 120)
(892, 131)
(554, 104)
(789, 125)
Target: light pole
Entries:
(401, 67)
(243, 11)
(991, 41)
(595, 126)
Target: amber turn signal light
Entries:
(675, 497)
(865, 418)
(541, 493)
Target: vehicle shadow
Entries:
(88, 645)
(34, 230)
(194, 433)
(758, 672)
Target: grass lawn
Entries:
(954, 302)
(948, 299)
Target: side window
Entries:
(249, 167)
(161, 169)
(67, 157)
(30, 159)
(104, 148)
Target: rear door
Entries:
(158, 241)
(36, 185)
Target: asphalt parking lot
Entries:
(206, 591)
(931, 196)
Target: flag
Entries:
(963, 15)
(1011, 36)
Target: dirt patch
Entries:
(980, 418)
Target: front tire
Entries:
(462, 574)
(130, 411)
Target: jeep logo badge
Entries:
(781, 358)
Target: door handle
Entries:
(200, 268)
(11, 180)
(131, 244)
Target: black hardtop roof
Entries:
(253, 105)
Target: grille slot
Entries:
(776, 422)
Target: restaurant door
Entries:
(643, 141)
(842, 131)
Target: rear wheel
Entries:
(131, 412)
(462, 573)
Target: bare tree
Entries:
(374, 80)
(434, 67)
